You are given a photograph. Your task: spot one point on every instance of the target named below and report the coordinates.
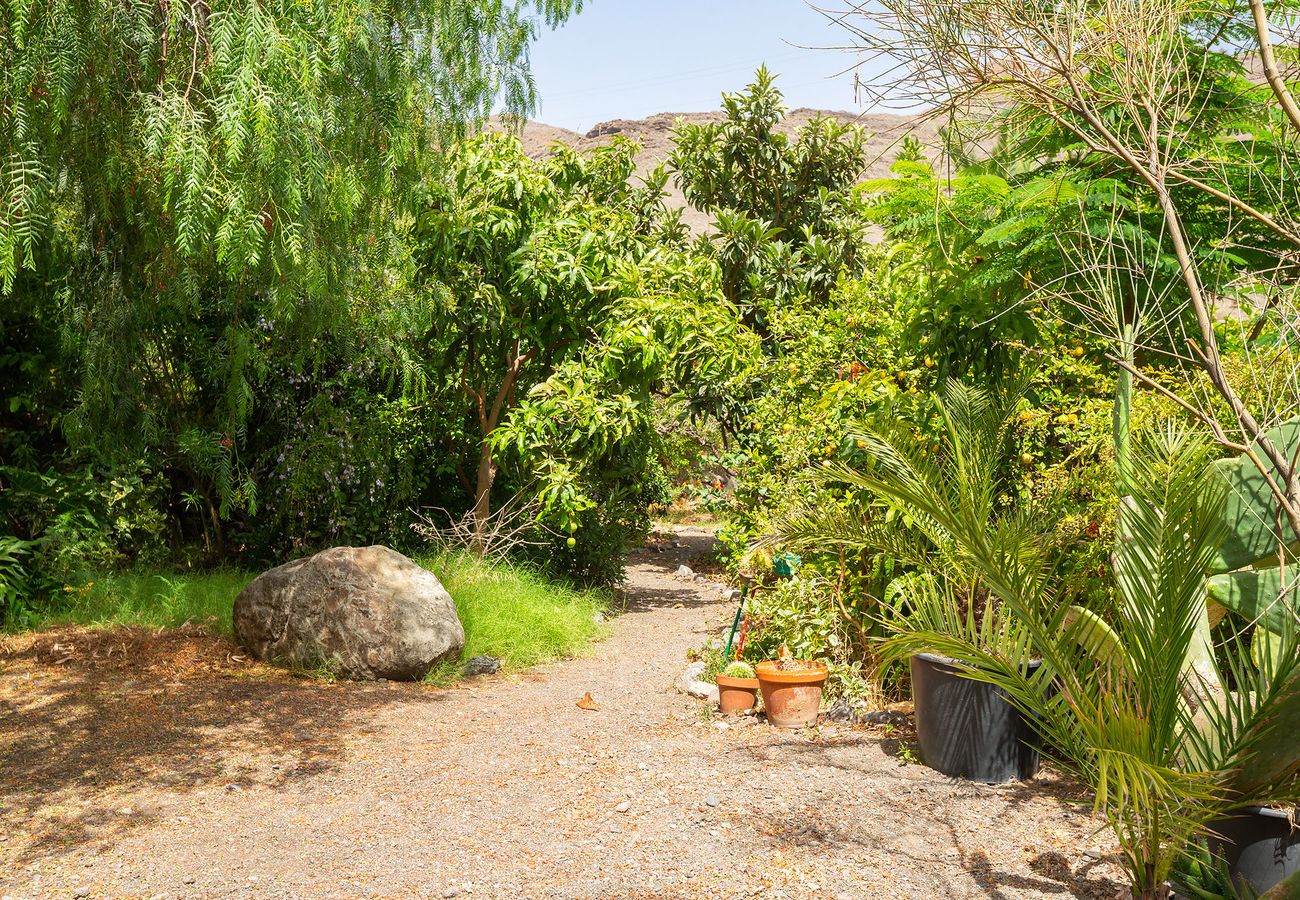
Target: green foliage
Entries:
(738, 668)
(786, 224)
(516, 614)
(563, 321)
(83, 520)
(1249, 574)
(1142, 723)
(807, 616)
(15, 581)
(524, 258)
(107, 600)
(174, 177)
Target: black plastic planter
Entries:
(968, 729)
(1258, 845)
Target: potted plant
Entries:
(1175, 739)
(966, 728)
(737, 688)
(792, 690)
(1259, 844)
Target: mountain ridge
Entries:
(653, 133)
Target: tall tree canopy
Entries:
(786, 223)
(174, 176)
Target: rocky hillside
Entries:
(655, 136)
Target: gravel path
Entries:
(170, 769)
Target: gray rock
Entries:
(691, 673)
(361, 612)
(685, 571)
(690, 683)
(843, 711)
(711, 801)
(623, 807)
(482, 665)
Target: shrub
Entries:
(806, 615)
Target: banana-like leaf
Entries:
(1255, 595)
(1251, 509)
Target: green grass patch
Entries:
(516, 614)
(150, 599)
(513, 613)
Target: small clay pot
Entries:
(736, 694)
(792, 698)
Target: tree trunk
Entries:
(487, 473)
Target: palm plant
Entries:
(898, 485)
(1169, 736)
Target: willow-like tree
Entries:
(177, 174)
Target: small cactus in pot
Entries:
(737, 688)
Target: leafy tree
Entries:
(1161, 92)
(784, 217)
(171, 173)
(589, 438)
(531, 261)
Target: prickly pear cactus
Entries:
(1245, 576)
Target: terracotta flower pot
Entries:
(792, 696)
(736, 694)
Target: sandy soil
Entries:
(166, 765)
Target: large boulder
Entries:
(361, 612)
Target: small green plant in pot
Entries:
(737, 687)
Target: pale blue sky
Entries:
(632, 58)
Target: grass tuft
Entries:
(149, 599)
(515, 613)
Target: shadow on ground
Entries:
(859, 753)
(88, 716)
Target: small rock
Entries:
(126, 811)
(482, 665)
(623, 807)
(1093, 853)
(721, 726)
(189, 879)
(81, 892)
(685, 571)
(885, 717)
(711, 800)
(451, 892)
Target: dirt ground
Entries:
(141, 764)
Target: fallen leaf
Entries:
(586, 702)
